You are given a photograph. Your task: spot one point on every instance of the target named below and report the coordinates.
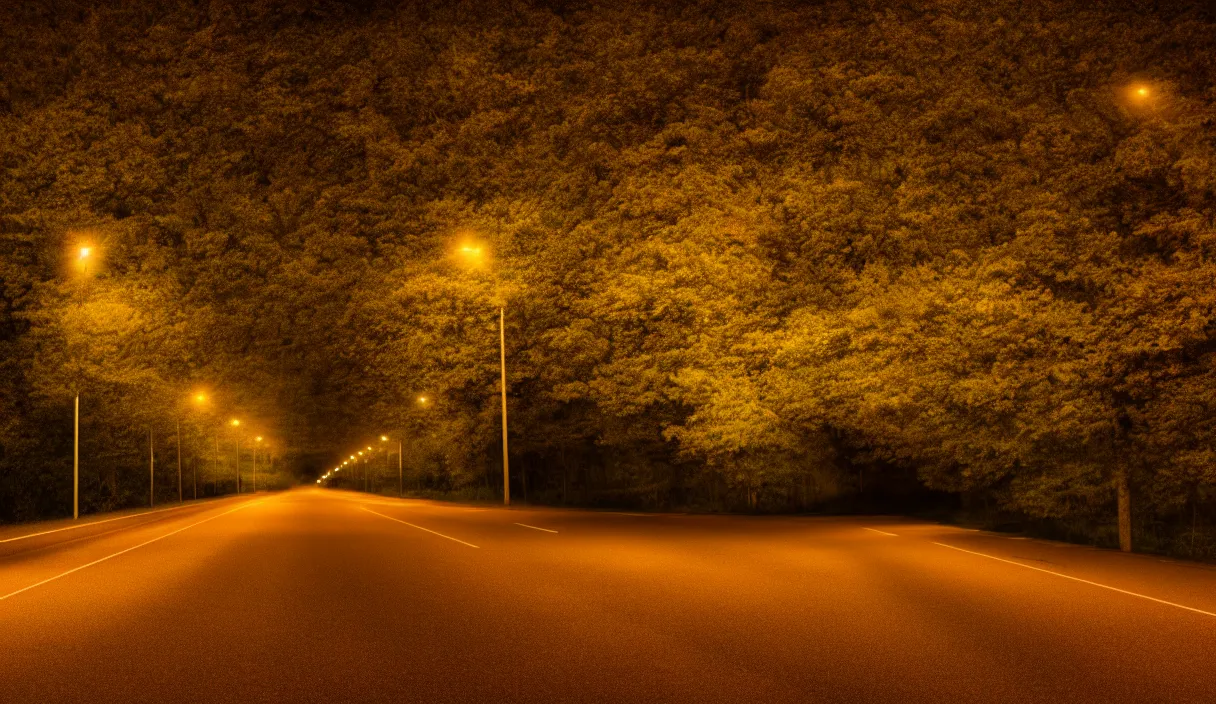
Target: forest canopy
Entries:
(753, 255)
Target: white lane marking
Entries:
(134, 547)
(411, 525)
(525, 525)
(94, 523)
(1083, 581)
(883, 532)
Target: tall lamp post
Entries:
(384, 439)
(502, 368)
(236, 423)
(473, 254)
(199, 399)
(215, 466)
(82, 260)
(258, 440)
(400, 469)
(151, 469)
(76, 462)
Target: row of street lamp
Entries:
(199, 399)
(85, 256)
(472, 255)
(354, 458)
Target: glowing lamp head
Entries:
(236, 423)
(472, 255)
(86, 252)
(383, 438)
(422, 399)
(258, 438)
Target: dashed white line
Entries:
(525, 525)
(882, 532)
(1083, 581)
(411, 525)
(133, 547)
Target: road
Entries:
(315, 595)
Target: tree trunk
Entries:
(1125, 509)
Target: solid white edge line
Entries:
(1083, 581)
(411, 525)
(94, 523)
(525, 525)
(133, 547)
(883, 532)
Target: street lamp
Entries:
(83, 255)
(258, 440)
(76, 461)
(400, 469)
(472, 254)
(151, 468)
(236, 423)
(199, 399)
(1141, 94)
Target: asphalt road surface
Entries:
(327, 596)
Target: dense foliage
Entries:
(753, 255)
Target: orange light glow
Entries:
(471, 253)
(1140, 93)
